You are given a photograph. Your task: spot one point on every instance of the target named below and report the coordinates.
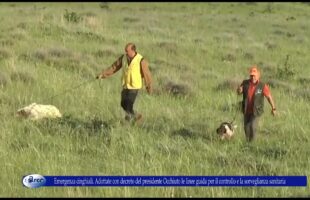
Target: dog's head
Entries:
(22, 113)
(226, 130)
(25, 111)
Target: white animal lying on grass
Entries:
(37, 111)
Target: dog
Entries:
(226, 130)
(38, 111)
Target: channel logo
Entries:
(34, 181)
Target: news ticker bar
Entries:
(164, 181)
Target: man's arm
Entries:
(267, 94)
(271, 102)
(111, 70)
(146, 74)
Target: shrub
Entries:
(24, 77)
(229, 57)
(177, 89)
(72, 17)
(287, 71)
(104, 5)
(304, 80)
(229, 84)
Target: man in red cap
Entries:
(254, 91)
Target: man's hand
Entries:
(149, 89)
(239, 90)
(273, 112)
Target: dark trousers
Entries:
(250, 126)
(127, 101)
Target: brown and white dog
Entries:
(226, 130)
(38, 111)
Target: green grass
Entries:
(201, 46)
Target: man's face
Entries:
(129, 52)
(253, 78)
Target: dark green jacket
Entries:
(258, 97)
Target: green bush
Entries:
(72, 17)
(288, 71)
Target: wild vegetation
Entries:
(197, 52)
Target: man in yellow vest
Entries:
(135, 69)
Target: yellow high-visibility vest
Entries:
(132, 78)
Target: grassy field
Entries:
(204, 49)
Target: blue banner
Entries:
(36, 180)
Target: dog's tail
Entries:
(231, 123)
